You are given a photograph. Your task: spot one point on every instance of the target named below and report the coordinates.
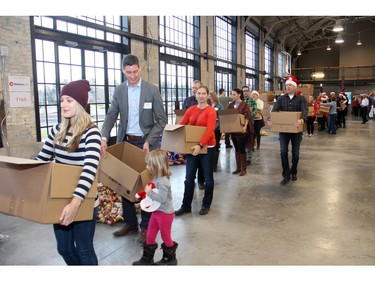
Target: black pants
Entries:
(257, 128)
(310, 125)
(341, 118)
(295, 139)
(364, 114)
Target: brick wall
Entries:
(15, 35)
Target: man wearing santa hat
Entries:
(290, 102)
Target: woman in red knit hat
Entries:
(75, 141)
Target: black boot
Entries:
(169, 255)
(148, 255)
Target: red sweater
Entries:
(207, 118)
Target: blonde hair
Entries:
(214, 97)
(157, 162)
(82, 122)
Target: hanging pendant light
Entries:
(359, 43)
(339, 39)
(328, 46)
(338, 27)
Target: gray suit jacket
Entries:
(152, 120)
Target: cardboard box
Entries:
(231, 121)
(267, 97)
(285, 121)
(38, 190)
(179, 114)
(324, 108)
(180, 138)
(123, 170)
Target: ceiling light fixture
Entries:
(338, 27)
(339, 39)
(328, 46)
(299, 53)
(318, 75)
(359, 43)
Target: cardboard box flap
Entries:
(228, 111)
(125, 176)
(21, 161)
(63, 175)
(194, 133)
(134, 157)
(145, 177)
(171, 128)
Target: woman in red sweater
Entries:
(241, 140)
(204, 115)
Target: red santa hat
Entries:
(298, 93)
(147, 204)
(291, 80)
(324, 96)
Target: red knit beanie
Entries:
(78, 90)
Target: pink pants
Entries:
(163, 222)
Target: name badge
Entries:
(147, 105)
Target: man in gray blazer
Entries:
(142, 121)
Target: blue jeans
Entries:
(192, 164)
(75, 241)
(296, 139)
(332, 124)
(129, 212)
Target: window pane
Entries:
(64, 54)
(76, 72)
(75, 56)
(40, 71)
(50, 72)
(64, 73)
(48, 51)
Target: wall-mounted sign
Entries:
(19, 91)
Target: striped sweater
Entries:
(87, 155)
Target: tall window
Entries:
(178, 68)
(268, 67)
(252, 60)
(225, 50)
(59, 61)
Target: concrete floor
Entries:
(326, 217)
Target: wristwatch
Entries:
(201, 146)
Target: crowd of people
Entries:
(78, 141)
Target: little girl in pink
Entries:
(162, 218)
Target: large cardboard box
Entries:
(180, 138)
(123, 170)
(231, 121)
(285, 121)
(38, 191)
(324, 108)
(179, 114)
